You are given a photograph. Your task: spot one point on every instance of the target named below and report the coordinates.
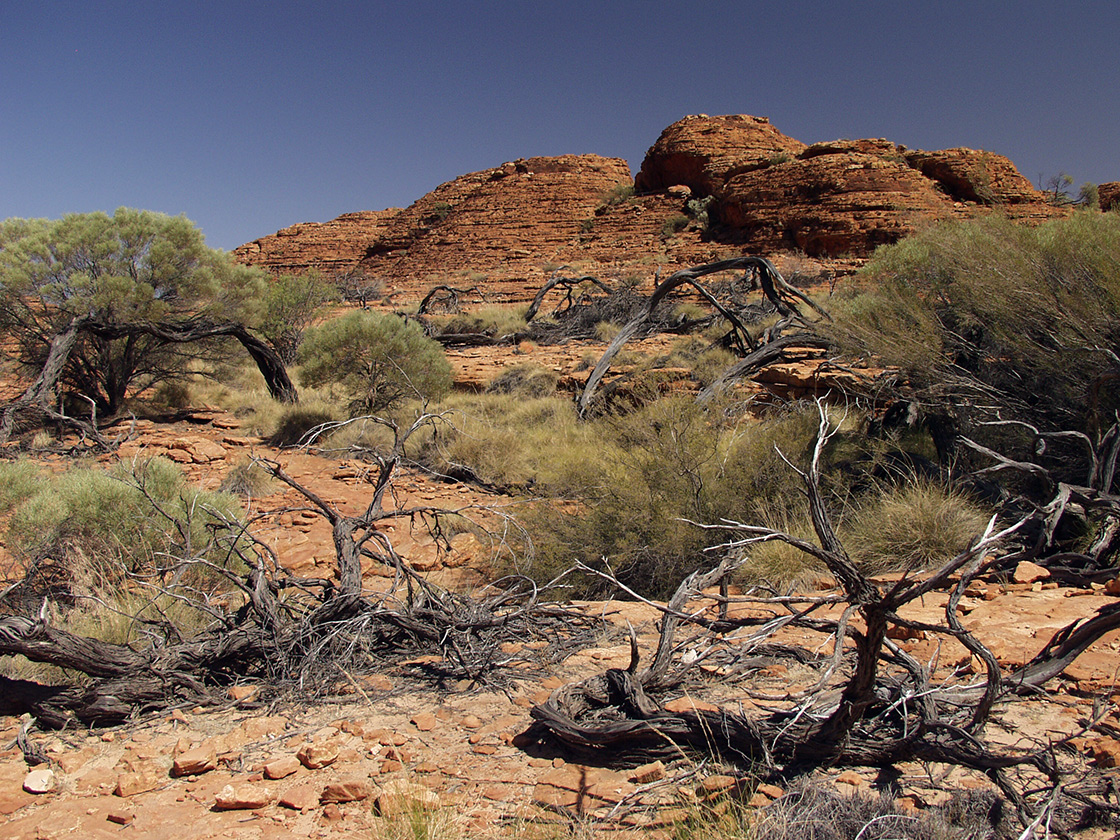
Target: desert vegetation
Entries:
(978, 428)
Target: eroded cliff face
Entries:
(333, 246)
(845, 197)
(709, 187)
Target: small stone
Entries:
(652, 772)
(424, 721)
(850, 777)
(195, 762)
(317, 755)
(1105, 752)
(138, 781)
(771, 791)
(281, 768)
(332, 813)
(40, 780)
(717, 783)
(300, 798)
(120, 817)
(688, 704)
(1112, 587)
(1028, 572)
(243, 693)
(245, 797)
(347, 790)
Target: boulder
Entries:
(703, 153)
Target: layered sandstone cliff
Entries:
(709, 187)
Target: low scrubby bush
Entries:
(378, 361)
(104, 524)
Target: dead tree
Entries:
(282, 629)
(569, 285)
(873, 704)
(780, 294)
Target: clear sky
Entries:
(251, 116)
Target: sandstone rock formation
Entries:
(503, 231)
(1109, 195)
(331, 246)
(772, 193)
(703, 152)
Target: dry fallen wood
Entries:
(874, 705)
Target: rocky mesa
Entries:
(709, 187)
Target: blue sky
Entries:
(251, 116)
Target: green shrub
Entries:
(247, 478)
(291, 303)
(487, 320)
(1028, 313)
(660, 469)
(512, 440)
(136, 516)
(674, 224)
(616, 195)
(377, 360)
(18, 480)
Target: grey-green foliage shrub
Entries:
(662, 468)
(513, 440)
(1033, 312)
(291, 302)
(133, 517)
(377, 360)
(18, 480)
(132, 267)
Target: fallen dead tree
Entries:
(265, 624)
(870, 704)
(762, 275)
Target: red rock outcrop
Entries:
(1109, 195)
(975, 176)
(504, 230)
(703, 152)
(842, 202)
(331, 246)
(772, 192)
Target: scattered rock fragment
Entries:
(244, 797)
(1028, 572)
(282, 767)
(300, 798)
(138, 781)
(424, 721)
(347, 790)
(196, 761)
(318, 754)
(40, 780)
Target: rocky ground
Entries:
(397, 746)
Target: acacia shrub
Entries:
(377, 360)
(135, 517)
(661, 469)
(1030, 314)
(291, 302)
(134, 267)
